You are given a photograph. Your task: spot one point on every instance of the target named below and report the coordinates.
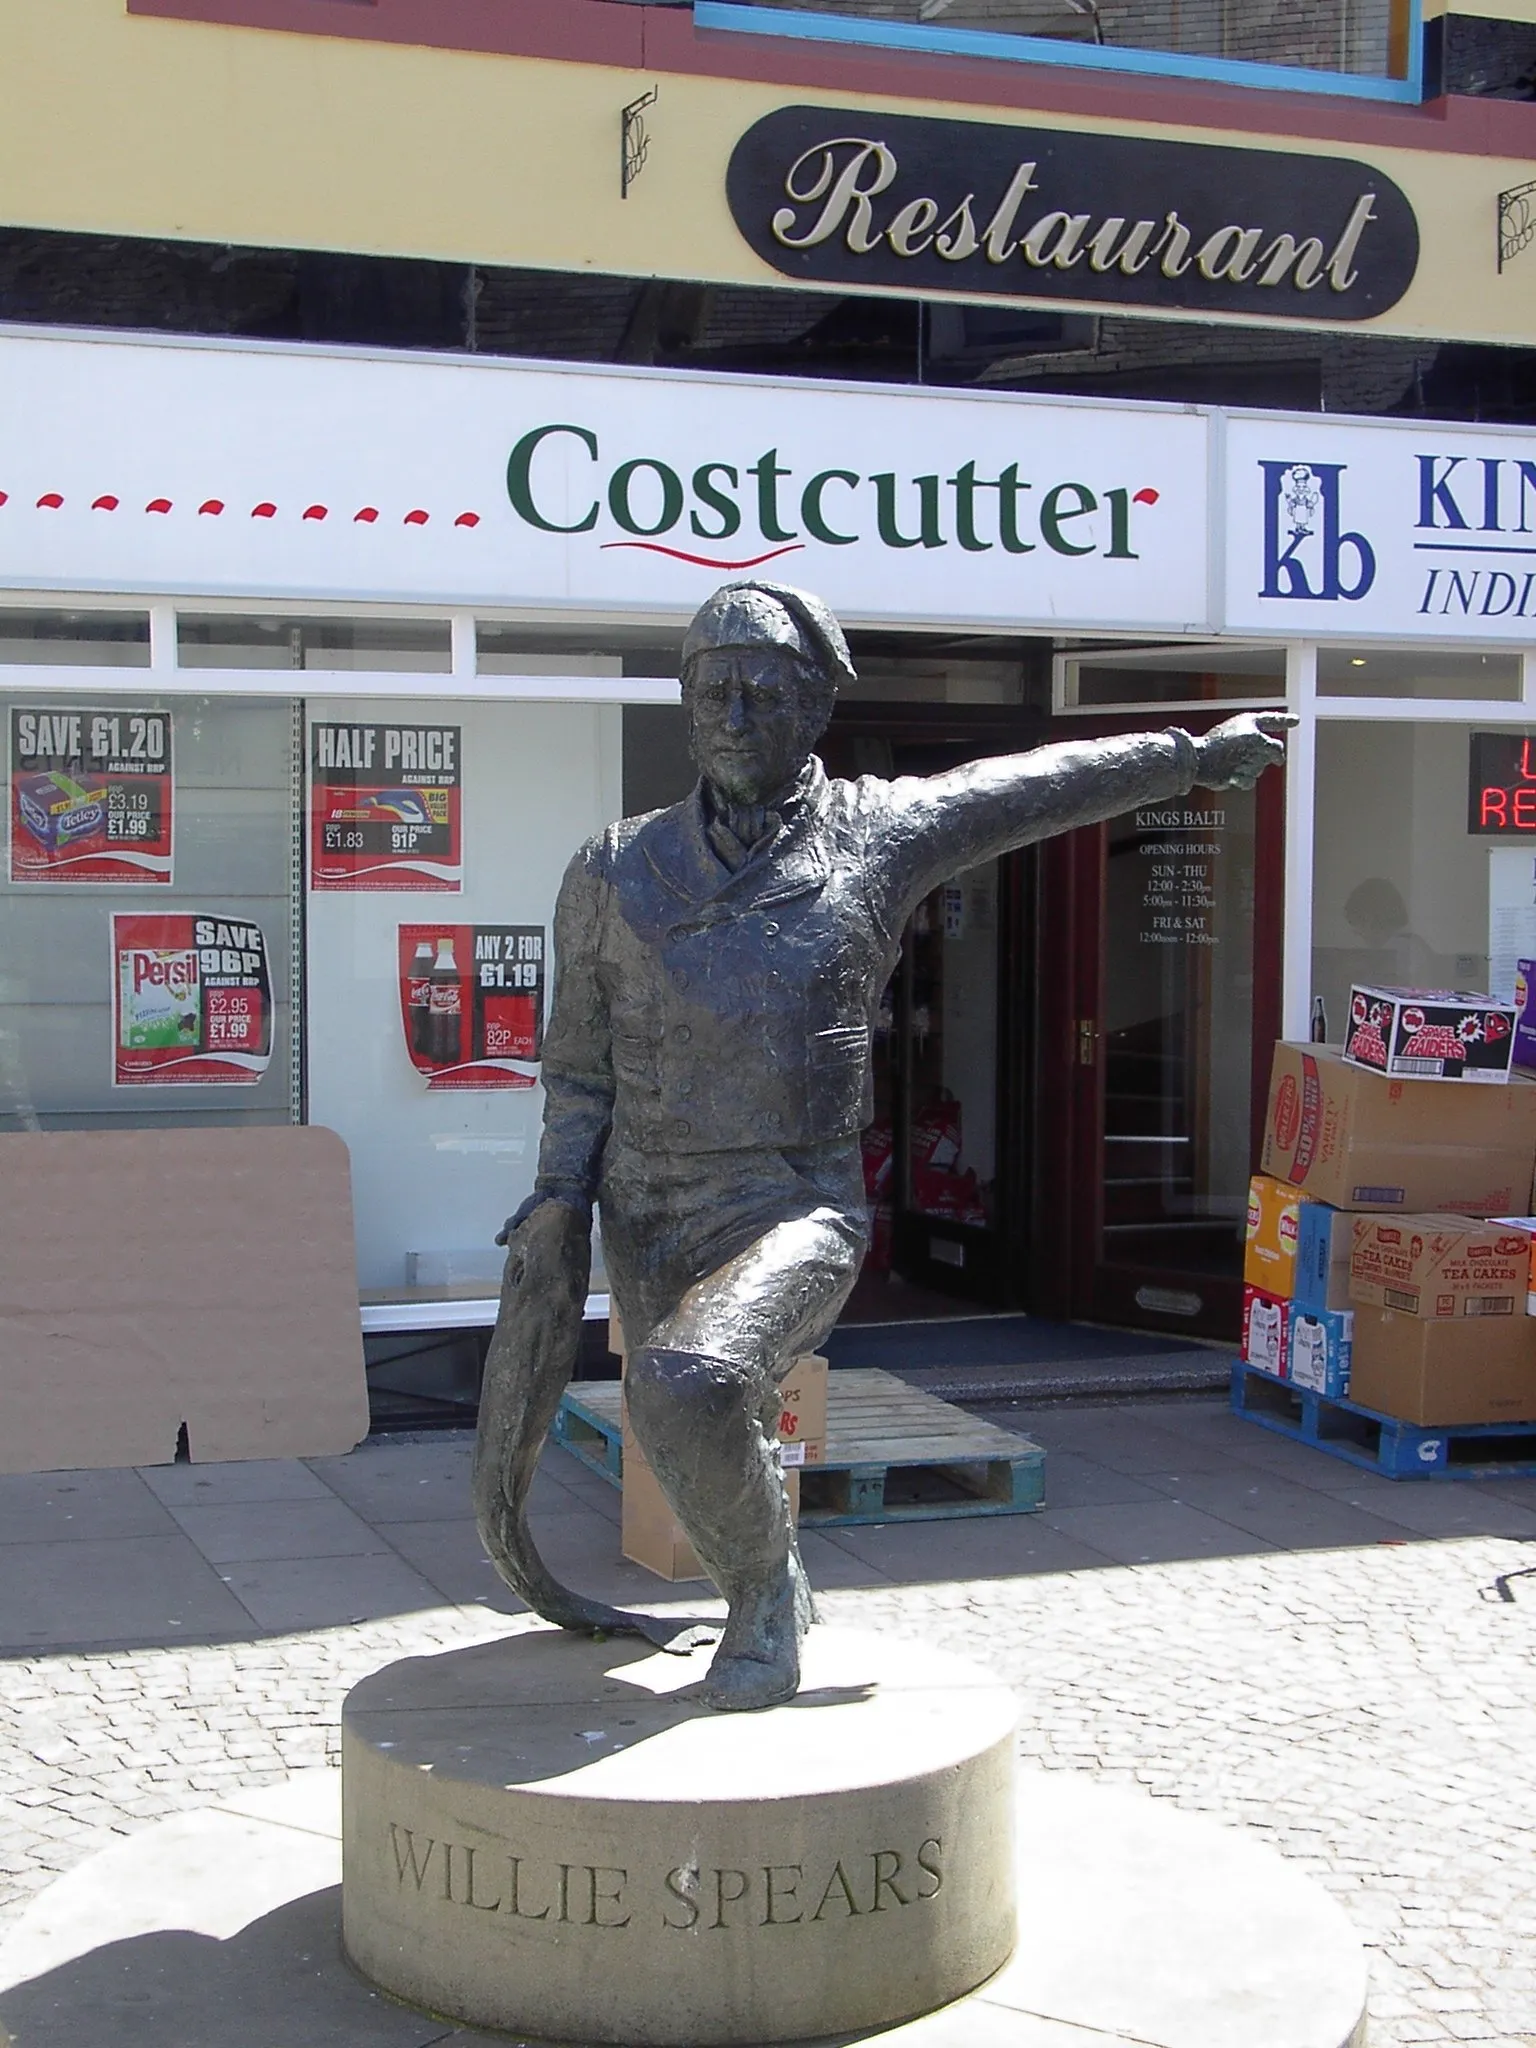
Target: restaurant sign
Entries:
(844, 196)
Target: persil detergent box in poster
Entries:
(191, 1001)
(91, 795)
(472, 1003)
(385, 807)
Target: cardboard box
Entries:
(1367, 1141)
(1439, 1266)
(803, 1411)
(1528, 1225)
(1293, 1249)
(1439, 1034)
(649, 1532)
(1324, 1243)
(1436, 1373)
(1320, 1348)
(1266, 1319)
(1274, 1228)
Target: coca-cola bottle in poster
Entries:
(472, 1003)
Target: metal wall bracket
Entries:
(634, 142)
(1517, 221)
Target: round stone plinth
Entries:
(548, 1835)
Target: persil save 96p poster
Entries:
(472, 1003)
(191, 1001)
(385, 807)
(91, 795)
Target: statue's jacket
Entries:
(700, 1009)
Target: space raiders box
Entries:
(1430, 1034)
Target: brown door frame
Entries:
(1067, 1276)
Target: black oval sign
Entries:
(844, 196)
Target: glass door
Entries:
(1174, 987)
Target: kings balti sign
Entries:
(846, 196)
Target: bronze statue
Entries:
(707, 1073)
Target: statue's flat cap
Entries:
(758, 613)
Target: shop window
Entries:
(1422, 672)
(1402, 892)
(589, 650)
(436, 849)
(1130, 678)
(917, 679)
(148, 918)
(216, 640)
(68, 639)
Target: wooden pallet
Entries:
(893, 1454)
(1383, 1443)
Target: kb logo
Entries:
(1305, 548)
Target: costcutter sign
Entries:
(1342, 531)
(142, 467)
(843, 195)
(152, 468)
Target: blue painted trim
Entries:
(743, 18)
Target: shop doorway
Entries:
(1159, 997)
(945, 1154)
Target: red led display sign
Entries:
(1501, 786)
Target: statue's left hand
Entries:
(1237, 752)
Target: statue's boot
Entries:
(531, 1358)
(701, 1423)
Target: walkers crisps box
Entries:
(1436, 1372)
(1370, 1141)
(649, 1532)
(1438, 1266)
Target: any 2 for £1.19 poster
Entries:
(91, 795)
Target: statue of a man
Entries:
(707, 1076)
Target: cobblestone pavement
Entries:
(1366, 1707)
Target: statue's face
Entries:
(746, 720)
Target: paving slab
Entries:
(1152, 1532)
(240, 1479)
(249, 1531)
(450, 1556)
(132, 1589)
(75, 1507)
(1292, 1517)
(986, 1547)
(301, 1593)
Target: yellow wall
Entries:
(134, 125)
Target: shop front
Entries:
(318, 665)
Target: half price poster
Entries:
(472, 1002)
(191, 1001)
(90, 795)
(385, 807)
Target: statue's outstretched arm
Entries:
(941, 824)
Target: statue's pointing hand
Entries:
(1237, 752)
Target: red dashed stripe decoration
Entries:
(215, 508)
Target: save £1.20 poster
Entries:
(91, 795)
